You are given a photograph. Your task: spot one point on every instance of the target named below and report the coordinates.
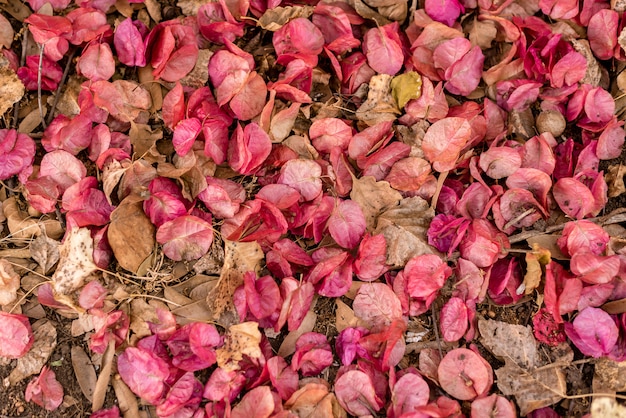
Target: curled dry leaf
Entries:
(45, 251)
(374, 197)
(239, 258)
(274, 18)
(380, 105)
(241, 339)
(45, 336)
(131, 235)
(84, 371)
(75, 263)
(9, 282)
(21, 226)
(11, 88)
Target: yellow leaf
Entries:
(406, 87)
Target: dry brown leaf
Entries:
(45, 251)
(45, 335)
(154, 10)
(17, 9)
(147, 79)
(547, 242)
(131, 236)
(126, 399)
(373, 197)
(345, 317)
(609, 376)
(368, 13)
(6, 35)
(404, 228)
(199, 76)
(9, 282)
(102, 384)
(239, 258)
(397, 11)
(124, 7)
(288, 346)
(313, 400)
(607, 408)
(615, 179)
(522, 375)
(84, 371)
(241, 339)
(21, 226)
(11, 89)
(482, 33)
(31, 121)
(144, 140)
(534, 260)
(380, 105)
(276, 18)
(76, 264)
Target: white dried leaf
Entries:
(75, 262)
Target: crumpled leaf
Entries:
(131, 248)
(373, 197)
(75, 263)
(522, 376)
(45, 390)
(241, 339)
(11, 88)
(9, 282)
(45, 341)
(380, 105)
(275, 18)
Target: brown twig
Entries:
(39, 72)
(57, 93)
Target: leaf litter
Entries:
(342, 183)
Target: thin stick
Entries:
(39, 71)
(434, 314)
(57, 93)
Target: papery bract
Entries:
(224, 385)
(249, 147)
(574, 198)
(129, 43)
(165, 203)
(377, 306)
(464, 75)
(96, 62)
(483, 245)
(257, 403)
(17, 337)
(123, 99)
(256, 220)
(17, 152)
(45, 390)
(185, 238)
(186, 391)
(355, 392)
(144, 373)
(185, 134)
(313, 354)
(453, 319)
(330, 133)
(88, 23)
(299, 38)
(223, 197)
(86, 204)
(409, 393)
(444, 141)
(283, 378)
(593, 268)
(203, 338)
(383, 49)
(173, 50)
(493, 406)
(371, 259)
(611, 140)
(173, 109)
(52, 31)
(63, 168)
(446, 11)
(347, 223)
(425, 275)
(112, 326)
(602, 33)
(593, 331)
(51, 73)
(464, 374)
(262, 295)
(583, 237)
(304, 176)
(500, 162)
(92, 295)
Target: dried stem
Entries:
(57, 93)
(39, 73)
